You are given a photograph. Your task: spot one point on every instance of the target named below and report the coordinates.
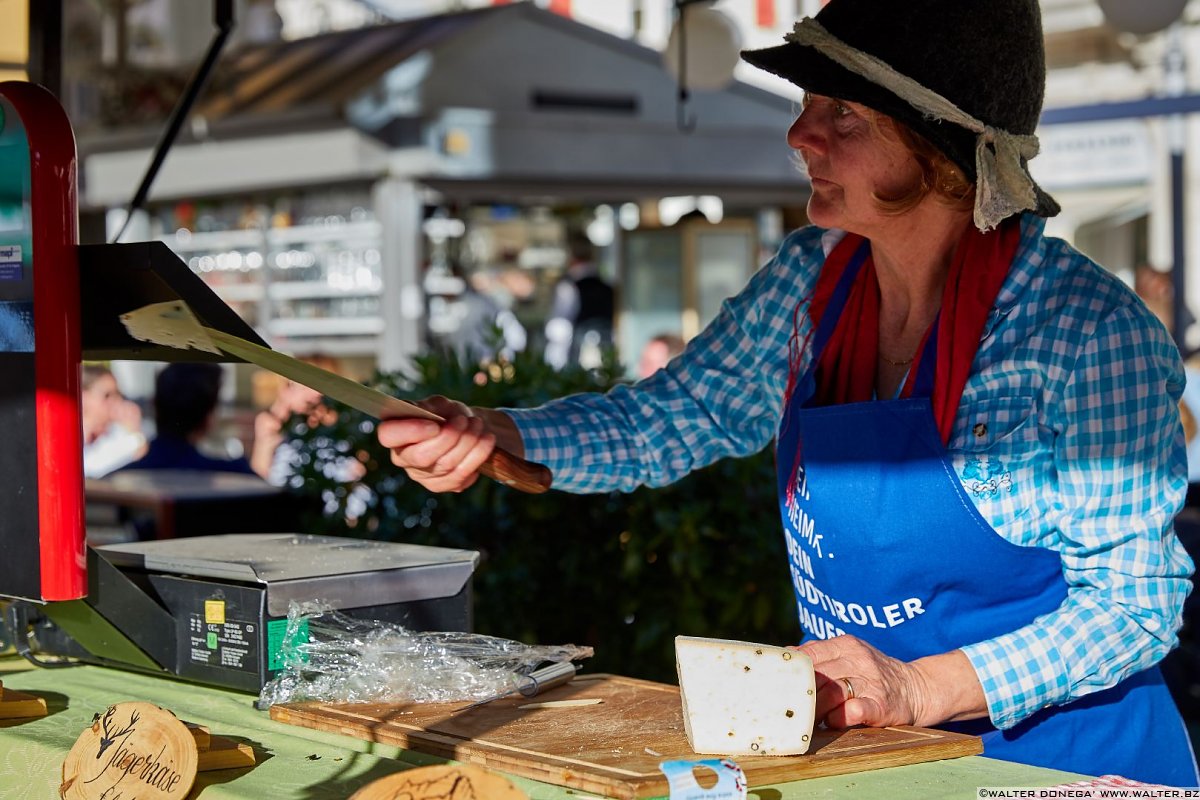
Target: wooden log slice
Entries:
(441, 782)
(131, 750)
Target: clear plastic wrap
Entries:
(332, 657)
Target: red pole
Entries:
(56, 321)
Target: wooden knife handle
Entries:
(504, 467)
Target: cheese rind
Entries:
(741, 698)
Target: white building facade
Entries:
(1112, 177)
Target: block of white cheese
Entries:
(741, 698)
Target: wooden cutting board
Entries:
(609, 748)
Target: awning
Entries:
(509, 99)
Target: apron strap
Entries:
(837, 301)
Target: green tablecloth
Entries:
(302, 764)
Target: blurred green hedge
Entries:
(624, 573)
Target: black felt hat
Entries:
(984, 56)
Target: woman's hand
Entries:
(446, 457)
(859, 685)
(127, 414)
(268, 435)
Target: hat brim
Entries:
(814, 72)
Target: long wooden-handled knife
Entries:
(173, 324)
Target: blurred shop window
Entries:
(652, 288)
(304, 267)
(675, 278)
(498, 272)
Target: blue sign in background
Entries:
(16, 235)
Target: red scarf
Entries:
(846, 372)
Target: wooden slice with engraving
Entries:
(441, 782)
(131, 750)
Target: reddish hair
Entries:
(940, 176)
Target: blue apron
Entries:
(885, 544)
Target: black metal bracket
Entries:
(118, 278)
(223, 19)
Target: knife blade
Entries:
(173, 324)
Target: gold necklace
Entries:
(904, 363)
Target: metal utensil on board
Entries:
(537, 681)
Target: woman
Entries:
(978, 446)
(112, 425)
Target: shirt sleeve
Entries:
(720, 397)
(1121, 478)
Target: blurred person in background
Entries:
(278, 462)
(976, 428)
(481, 325)
(185, 405)
(581, 313)
(657, 352)
(271, 456)
(112, 425)
(1157, 291)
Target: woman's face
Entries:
(849, 162)
(97, 403)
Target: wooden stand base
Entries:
(218, 752)
(18, 705)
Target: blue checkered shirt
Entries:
(1082, 451)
